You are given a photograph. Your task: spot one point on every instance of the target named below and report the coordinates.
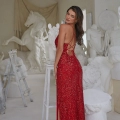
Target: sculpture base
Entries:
(97, 116)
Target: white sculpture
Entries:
(96, 83)
(79, 50)
(95, 40)
(39, 49)
(52, 34)
(97, 74)
(113, 40)
(37, 27)
(80, 54)
(97, 104)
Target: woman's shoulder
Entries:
(65, 26)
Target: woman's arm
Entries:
(59, 50)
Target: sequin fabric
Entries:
(69, 87)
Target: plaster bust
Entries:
(94, 37)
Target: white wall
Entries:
(87, 6)
(65, 4)
(101, 5)
(6, 22)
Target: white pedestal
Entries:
(97, 104)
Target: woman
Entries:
(68, 71)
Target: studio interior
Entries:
(28, 29)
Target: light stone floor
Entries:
(16, 111)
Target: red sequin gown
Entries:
(69, 87)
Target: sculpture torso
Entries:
(95, 37)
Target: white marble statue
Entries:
(96, 84)
(39, 50)
(52, 34)
(97, 74)
(113, 39)
(95, 41)
(36, 24)
(80, 54)
(79, 50)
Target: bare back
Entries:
(70, 39)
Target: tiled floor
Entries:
(16, 111)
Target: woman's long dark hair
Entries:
(79, 24)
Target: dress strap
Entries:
(71, 46)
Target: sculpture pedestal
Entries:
(116, 95)
(97, 104)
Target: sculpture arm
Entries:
(2, 56)
(46, 37)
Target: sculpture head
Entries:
(33, 18)
(49, 26)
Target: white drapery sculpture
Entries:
(37, 28)
(96, 83)
(95, 40)
(97, 74)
